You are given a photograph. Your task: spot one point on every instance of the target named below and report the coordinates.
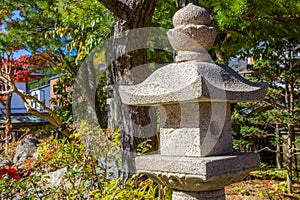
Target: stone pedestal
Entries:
(208, 195)
(194, 95)
(197, 173)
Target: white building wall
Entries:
(36, 94)
(42, 94)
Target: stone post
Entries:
(194, 95)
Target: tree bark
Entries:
(8, 124)
(50, 116)
(128, 14)
(291, 109)
(290, 161)
(278, 148)
(293, 135)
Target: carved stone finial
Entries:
(192, 37)
(191, 14)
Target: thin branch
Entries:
(50, 115)
(6, 83)
(274, 151)
(28, 98)
(267, 149)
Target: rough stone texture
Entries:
(4, 162)
(25, 150)
(191, 14)
(195, 129)
(207, 195)
(109, 166)
(183, 56)
(197, 173)
(192, 34)
(192, 82)
(192, 37)
(55, 178)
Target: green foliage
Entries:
(241, 145)
(251, 131)
(144, 147)
(270, 174)
(297, 142)
(244, 25)
(98, 142)
(44, 80)
(147, 189)
(85, 23)
(231, 16)
(243, 192)
(63, 98)
(280, 107)
(282, 186)
(85, 178)
(163, 14)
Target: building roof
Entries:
(40, 87)
(56, 76)
(24, 120)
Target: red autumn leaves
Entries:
(23, 68)
(9, 173)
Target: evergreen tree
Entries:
(269, 33)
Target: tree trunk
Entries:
(278, 148)
(290, 161)
(291, 104)
(292, 110)
(129, 14)
(8, 125)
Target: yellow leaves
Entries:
(68, 31)
(58, 66)
(80, 56)
(62, 31)
(81, 50)
(116, 137)
(58, 32)
(4, 13)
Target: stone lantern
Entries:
(194, 95)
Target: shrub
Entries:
(84, 177)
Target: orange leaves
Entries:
(28, 164)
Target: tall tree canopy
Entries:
(243, 24)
